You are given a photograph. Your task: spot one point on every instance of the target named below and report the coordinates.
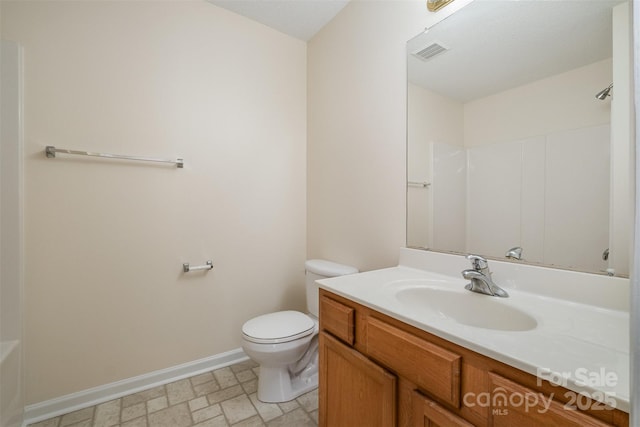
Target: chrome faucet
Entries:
(480, 277)
(514, 253)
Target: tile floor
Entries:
(224, 397)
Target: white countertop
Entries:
(584, 347)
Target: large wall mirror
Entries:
(508, 145)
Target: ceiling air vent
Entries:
(430, 51)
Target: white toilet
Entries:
(285, 343)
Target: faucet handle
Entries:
(479, 263)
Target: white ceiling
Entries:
(301, 19)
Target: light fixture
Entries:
(433, 5)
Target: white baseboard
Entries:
(93, 396)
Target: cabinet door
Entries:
(354, 391)
(427, 413)
(513, 404)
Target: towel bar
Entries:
(51, 151)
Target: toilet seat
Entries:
(278, 327)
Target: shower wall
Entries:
(435, 140)
(545, 191)
(552, 141)
(448, 183)
(11, 260)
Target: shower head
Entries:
(602, 95)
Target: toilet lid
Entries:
(282, 326)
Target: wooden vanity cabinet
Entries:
(378, 371)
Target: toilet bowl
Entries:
(278, 351)
(285, 343)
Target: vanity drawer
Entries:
(338, 319)
(432, 368)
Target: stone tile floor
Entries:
(223, 397)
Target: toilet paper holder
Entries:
(187, 268)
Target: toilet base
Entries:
(276, 385)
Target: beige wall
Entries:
(357, 132)
(105, 240)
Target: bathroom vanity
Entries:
(390, 357)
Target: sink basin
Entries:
(467, 308)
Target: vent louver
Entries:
(430, 51)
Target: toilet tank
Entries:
(317, 269)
